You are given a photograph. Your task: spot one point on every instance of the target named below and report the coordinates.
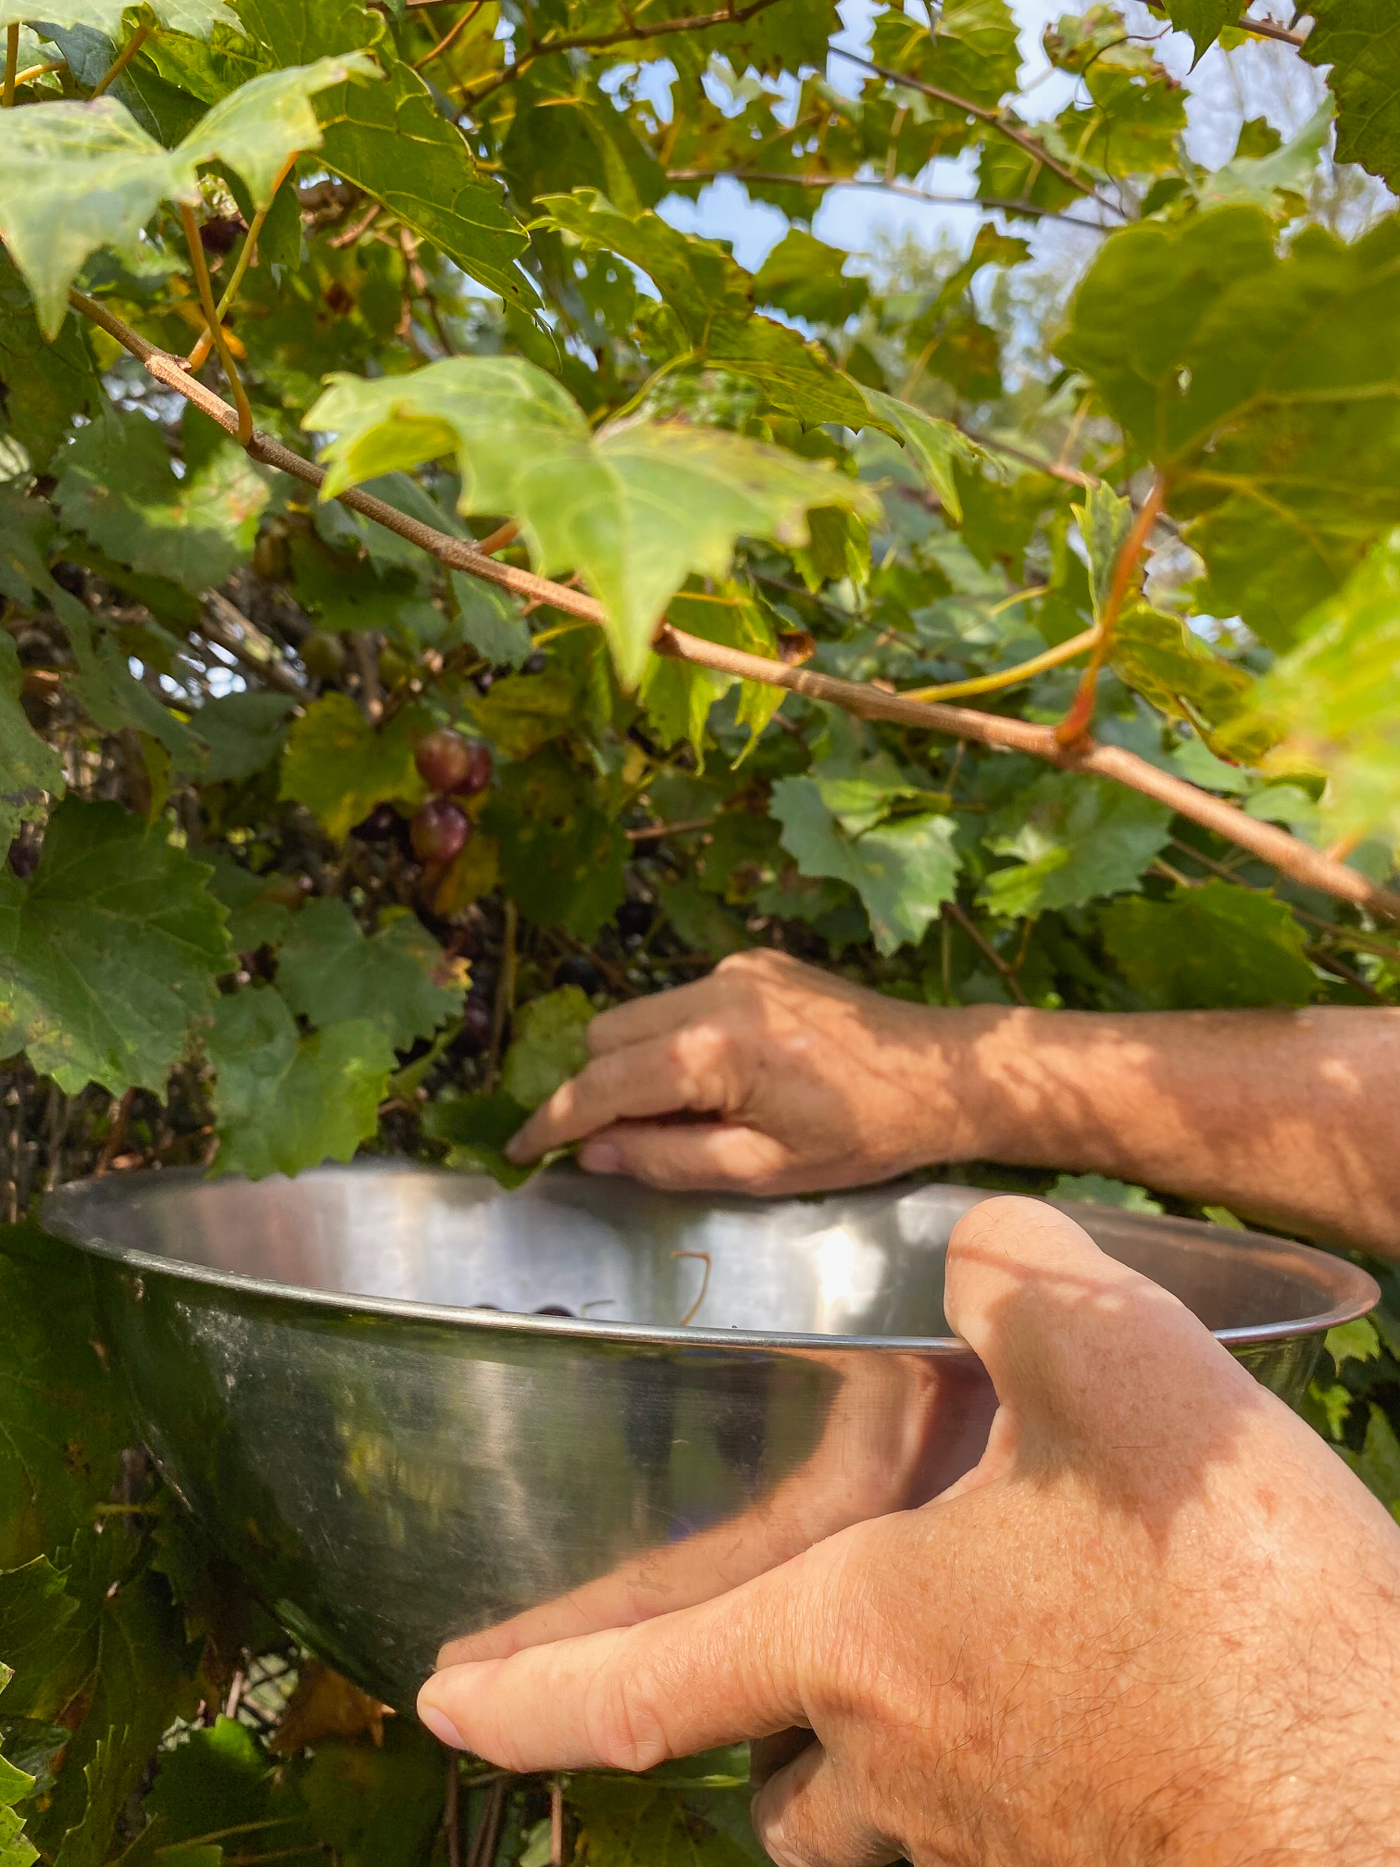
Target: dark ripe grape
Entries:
(70, 577)
(537, 663)
(221, 234)
(634, 918)
(476, 1025)
(24, 859)
(441, 758)
(452, 764)
(323, 655)
(578, 970)
(477, 775)
(439, 831)
(484, 679)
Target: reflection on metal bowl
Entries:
(348, 1379)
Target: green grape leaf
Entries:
(1278, 180)
(393, 142)
(64, 1410)
(1358, 39)
(1334, 699)
(937, 445)
(1356, 1340)
(490, 620)
(215, 1780)
(283, 1101)
(399, 978)
(1075, 837)
(563, 859)
(476, 1129)
(29, 766)
(195, 18)
(116, 486)
(1094, 1190)
(635, 509)
(108, 951)
(711, 296)
(1264, 387)
(803, 276)
(1205, 20)
(1213, 945)
(1377, 1464)
(643, 1824)
(972, 50)
(1105, 521)
(259, 906)
(341, 767)
(75, 177)
(244, 732)
(377, 1806)
(43, 384)
(903, 869)
(1167, 663)
(548, 1045)
(15, 1786)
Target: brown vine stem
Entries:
(11, 64)
(1077, 721)
(1286, 853)
(1270, 29)
(244, 408)
(992, 118)
(200, 352)
(600, 41)
(122, 60)
(464, 19)
(774, 178)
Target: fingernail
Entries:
(600, 1157)
(441, 1726)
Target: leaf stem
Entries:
(31, 72)
(11, 63)
(245, 259)
(1076, 722)
(465, 18)
(1289, 854)
(244, 427)
(774, 178)
(123, 59)
(1011, 677)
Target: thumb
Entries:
(629, 1698)
(1079, 1347)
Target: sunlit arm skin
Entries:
(770, 1076)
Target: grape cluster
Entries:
(454, 768)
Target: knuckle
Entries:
(625, 1731)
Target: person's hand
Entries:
(790, 1081)
(1159, 1622)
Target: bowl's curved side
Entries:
(388, 1484)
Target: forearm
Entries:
(1291, 1118)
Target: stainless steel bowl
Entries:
(343, 1377)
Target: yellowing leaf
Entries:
(340, 766)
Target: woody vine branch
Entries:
(1286, 853)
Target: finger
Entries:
(1075, 1342)
(688, 1070)
(656, 1015)
(717, 1157)
(810, 1815)
(630, 1698)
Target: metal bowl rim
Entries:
(61, 1212)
